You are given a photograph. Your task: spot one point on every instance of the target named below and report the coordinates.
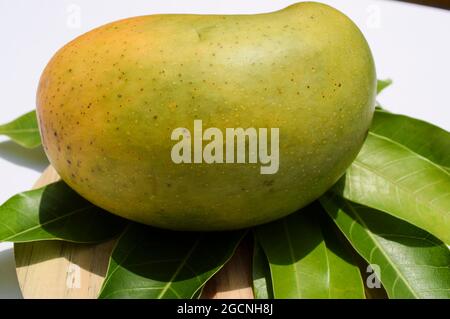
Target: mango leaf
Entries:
(23, 130)
(198, 293)
(382, 84)
(343, 256)
(304, 259)
(55, 212)
(154, 263)
(412, 263)
(392, 178)
(421, 137)
(262, 282)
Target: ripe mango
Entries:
(109, 100)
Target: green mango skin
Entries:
(109, 100)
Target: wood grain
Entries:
(55, 269)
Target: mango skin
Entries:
(108, 101)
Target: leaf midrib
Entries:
(361, 164)
(16, 131)
(110, 272)
(328, 270)
(47, 222)
(406, 190)
(292, 255)
(179, 268)
(366, 229)
(439, 167)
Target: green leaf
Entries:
(23, 130)
(198, 293)
(305, 259)
(342, 256)
(55, 212)
(392, 178)
(382, 84)
(262, 282)
(421, 137)
(154, 263)
(413, 263)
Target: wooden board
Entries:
(55, 269)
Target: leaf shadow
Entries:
(91, 229)
(340, 246)
(334, 239)
(235, 274)
(381, 223)
(303, 221)
(60, 205)
(8, 277)
(157, 254)
(317, 229)
(34, 159)
(260, 269)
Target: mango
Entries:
(109, 101)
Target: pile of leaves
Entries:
(389, 215)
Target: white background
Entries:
(410, 43)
